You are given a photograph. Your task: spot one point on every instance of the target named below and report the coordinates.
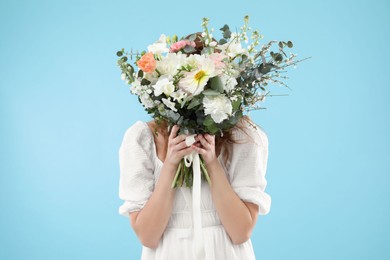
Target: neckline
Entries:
(155, 147)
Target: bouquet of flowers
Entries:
(202, 84)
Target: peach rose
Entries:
(147, 63)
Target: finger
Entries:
(178, 139)
(180, 146)
(210, 138)
(173, 134)
(203, 141)
(199, 150)
(185, 151)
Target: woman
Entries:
(161, 216)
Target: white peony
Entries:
(194, 81)
(219, 107)
(160, 46)
(169, 104)
(163, 85)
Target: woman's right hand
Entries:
(177, 147)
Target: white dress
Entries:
(140, 169)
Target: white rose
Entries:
(219, 107)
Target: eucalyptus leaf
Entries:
(222, 41)
(189, 49)
(192, 37)
(289, 44)
(210, 92)
(194, 102)
(216, 84)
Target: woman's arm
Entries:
(150, 222)
(238, 217)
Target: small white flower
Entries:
(228, 82)
(136, 87)
(178, 95)
(213, 44)
(160, 46)
(123, 76)
(219, 107)
(163, 85)
(169, 104)
(146, 101)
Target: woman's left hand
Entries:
(207, 148)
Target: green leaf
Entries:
(227, 34)
(236, 104)
(222, 41)
(216, 84)
(213, 129)
(225, 28)
(280, 44)
(278, 57)
(289, 44)
(189, 49)
(145, 82)
(210, 92)
(119, 53)
(208, 121)
(192, 37)
(194, 102)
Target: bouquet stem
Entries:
(184, 174)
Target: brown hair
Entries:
(220, 141)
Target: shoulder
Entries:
(137, 132)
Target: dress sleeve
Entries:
(136, 182)
(248, 167)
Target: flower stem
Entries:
(206, 174)
(176, 176)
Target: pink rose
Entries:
(177, 46)
(147, 63)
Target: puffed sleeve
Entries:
(249, 165)
(136, 182)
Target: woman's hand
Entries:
(177, 147)
(207, 150)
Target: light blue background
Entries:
(64, 110)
